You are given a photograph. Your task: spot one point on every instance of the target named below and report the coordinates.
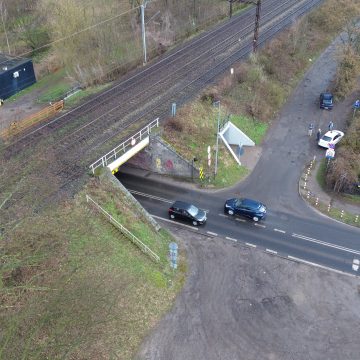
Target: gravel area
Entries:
(242, 303)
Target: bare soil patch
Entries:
(241, 303)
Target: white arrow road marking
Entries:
(338, 247)
(355, 265)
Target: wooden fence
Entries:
(19, 126)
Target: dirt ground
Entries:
(242, 303)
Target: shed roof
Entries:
(9, 62)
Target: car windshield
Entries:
(238, 203)
(193, 210)
(328, 101)
(326, 138)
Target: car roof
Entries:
(182, 205)
(250, 202)
(327, 95)
(331, 134)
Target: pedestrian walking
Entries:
(318, 135)
(1, 102)
(331, 126)
(310, 129)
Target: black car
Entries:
(326, 101)
(188, 212)
(245, 207)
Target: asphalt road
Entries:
(292, 228)
(310, 237)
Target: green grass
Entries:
(256, 130)
(83, 94)
(91, 288)
(321, 174)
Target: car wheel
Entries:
(195, 223)
(172, 216)
(255, 218)
(230, 212)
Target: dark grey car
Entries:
(187, 212)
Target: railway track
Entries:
(83, 134)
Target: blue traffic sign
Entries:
(173, 252)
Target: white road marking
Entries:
(252, 245)
(319, 266)
(212, 233)
(232, 239)
(175, 222)
(271, 251)
(241, 220)
(260, 225)
(338, 247)
(355, 265)
(223, 215)
(281, 231)
(157, 198)
(150, 196)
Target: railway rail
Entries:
(88, 131)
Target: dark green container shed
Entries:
(15, 74)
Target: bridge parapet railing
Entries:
(124, 146)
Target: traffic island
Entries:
(313, 194)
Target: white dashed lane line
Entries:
(260, 225)
(271, 251)
(231, 239)
(241, 220)
(223, 215)
(212, 233)
(252, 245)
(281, 231)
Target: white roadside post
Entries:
(217, 103)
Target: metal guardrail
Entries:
(122, 148)
(125, 231)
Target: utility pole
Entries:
(257, 25)
(257, 18)
(142, 7)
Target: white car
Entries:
(331, 137)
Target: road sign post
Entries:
(173, 252)
(330, 154)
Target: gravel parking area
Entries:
(242, 303)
